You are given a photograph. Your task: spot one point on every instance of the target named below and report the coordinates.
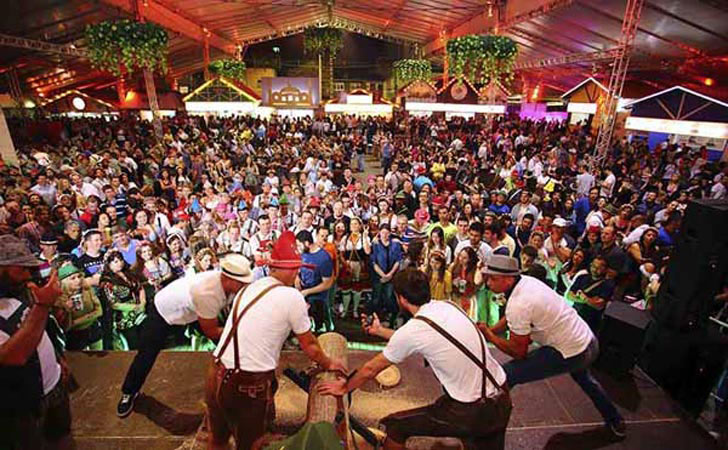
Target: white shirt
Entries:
(608, 186)
(459, 375)
(635, 235)
(49, 367)
(183, 300)
(718, 191)
(535, 309)
(87, 190)
(484, 250)
(584, 182)
(265, 327)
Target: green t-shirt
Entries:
(449, 231)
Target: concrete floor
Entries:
(551, 414)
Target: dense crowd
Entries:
(121, 215)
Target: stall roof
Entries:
(221, 89)
(582, 84)
(680, 103)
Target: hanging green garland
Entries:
(127, 43)
(319, 40)
(483, 59)
(406, 70)
(229, 68)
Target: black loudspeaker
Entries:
(621, 336)
(697, 268)
(686, 364)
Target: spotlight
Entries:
(708, 81)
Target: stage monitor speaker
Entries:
(686, 365)
(621, 336)
(697, 268)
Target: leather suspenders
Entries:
(482, 364)
(233, 334)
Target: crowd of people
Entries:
(131, 216)
(118, 215)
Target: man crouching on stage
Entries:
(476, 405)
(241, 381)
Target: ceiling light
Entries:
(78, 103)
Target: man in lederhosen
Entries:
(241, 381)
(476, 405)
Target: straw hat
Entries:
(389, 377)
(237, 267)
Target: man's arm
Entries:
(367, 372)
(310, 346)
(516, 345)
(324, 285)
(21, 345)
(498, 328)
(211, 328)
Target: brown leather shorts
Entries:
(239, 403)
(480, 424)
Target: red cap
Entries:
(314, 202)
(285, 253)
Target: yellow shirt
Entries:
(441, 289)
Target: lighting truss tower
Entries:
(616, 79)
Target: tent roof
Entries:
(560, 41)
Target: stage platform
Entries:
(551, 414)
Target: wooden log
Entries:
(324, 408)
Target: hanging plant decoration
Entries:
(483, 59)
(127, 43)
(407, 70)
(319, 40)
(229, 68)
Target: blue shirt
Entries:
(582, 207)
(664, 239)
(386, 256)
(502, 209)
(313, 277)
(130, 253)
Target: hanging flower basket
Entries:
(482, 59)
(134, 45)
(407, 70)
(229, 68)
(320, 40)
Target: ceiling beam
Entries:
(517, 12)
(174, 21)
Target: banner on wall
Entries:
(290, 92)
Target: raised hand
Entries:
(48, 293)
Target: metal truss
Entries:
(32, 44)
(337, 22)
(572, 58)
(616, 80)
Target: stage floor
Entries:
(551, 414)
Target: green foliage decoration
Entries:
(406, 70)
(134, 45)
(320, 40)
(482, 58)
(229, 68)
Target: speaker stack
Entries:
(683, 351)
